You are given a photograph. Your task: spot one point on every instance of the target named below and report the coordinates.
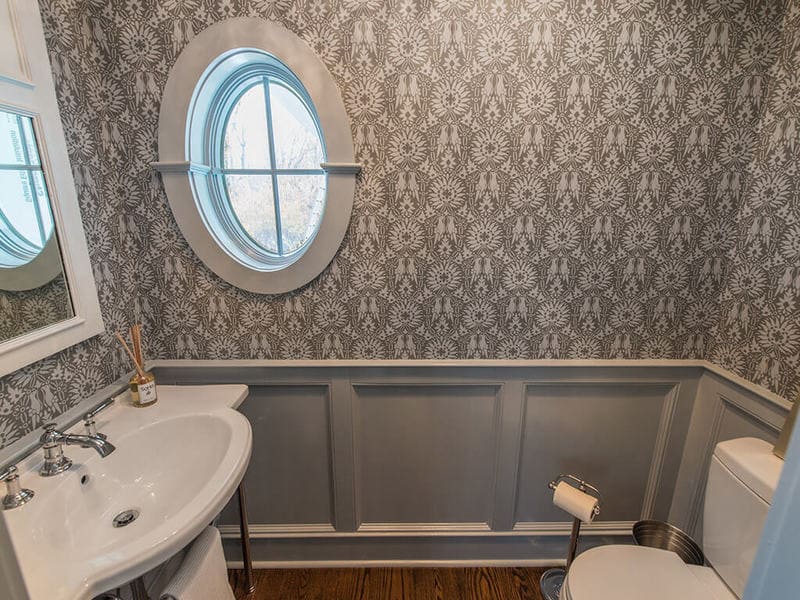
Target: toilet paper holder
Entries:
(552, 579)
(583, 486)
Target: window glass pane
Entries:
(297, 142)
(302, 200)
(30, 140)
(25, 209)
(17, 140)
(253, 203)
(43, 199)
(246, 138)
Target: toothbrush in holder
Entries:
(142, 383)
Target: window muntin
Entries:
(26, 222)
(264, 149)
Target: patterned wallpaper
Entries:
(758, 334)
(542, 179)
(37, 393)
(24, 311)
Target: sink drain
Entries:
(126, 517)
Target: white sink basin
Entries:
(176, 464)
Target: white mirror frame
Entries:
(26, 86)
(184, 179)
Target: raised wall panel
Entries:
(735, 422)
(604, 433)
(289, 480)
(425, 453)
(735, 415)
(13, 59)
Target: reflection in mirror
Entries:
(33, 289)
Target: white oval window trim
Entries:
(186, 167)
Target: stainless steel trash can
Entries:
(657, 534)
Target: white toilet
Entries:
(742, 478)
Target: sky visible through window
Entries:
(26, 222)
(271, 164)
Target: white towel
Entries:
(202, 574)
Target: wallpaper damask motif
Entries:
(37, 393)
(759, 326)
(542, 179)
(28, 310)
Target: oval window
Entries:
(266, 152)
(256, 155)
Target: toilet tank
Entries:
(742, 478)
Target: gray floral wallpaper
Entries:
(24, 311)
(542, 179)
(758, 332)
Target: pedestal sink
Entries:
(107, 521)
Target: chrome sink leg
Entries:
(244, 533)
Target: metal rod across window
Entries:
(275, 193)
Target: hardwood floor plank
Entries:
(526, 581)
(481, 583)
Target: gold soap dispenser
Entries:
(142, 383)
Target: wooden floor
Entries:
(392, 584)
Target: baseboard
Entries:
(422, 530)
(429, 564)
(406, 551)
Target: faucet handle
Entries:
(90, 428)
(54, 460)
(16, 495)
(97, 409)
(48, 437)
(88, 419)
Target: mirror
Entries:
(48, 298)
(33, 289)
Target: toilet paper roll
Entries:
(577, 503)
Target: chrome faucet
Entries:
(52, 441)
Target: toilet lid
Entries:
(631, 573)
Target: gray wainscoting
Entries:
(722, 412)
(449, 464)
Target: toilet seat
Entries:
(622, 572)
